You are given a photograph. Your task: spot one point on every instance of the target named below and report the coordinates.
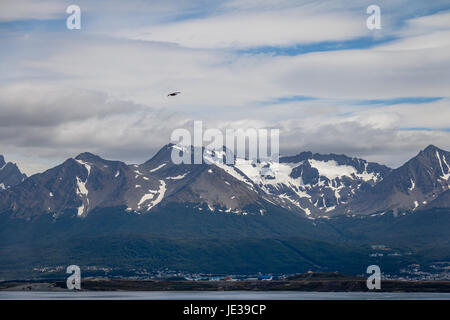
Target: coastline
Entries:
(344, 284)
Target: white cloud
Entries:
(51, 122)
(427, 32)
(63, 93)
(271, 28)
(11, 10)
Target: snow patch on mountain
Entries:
(296, 203)
(161, 193)
(82, 192)
(445, 176)
(232, 172)
(158, 167)
(86, 165)
(413, 185)
(179, 177)
(147, 197)
(80, 210)
(81, 187)
(215, 158)
(331, 169)
(255, 171)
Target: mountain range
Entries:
(283, 211)
(315, 185)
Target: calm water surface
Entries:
(235, 295)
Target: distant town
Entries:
(414, 272)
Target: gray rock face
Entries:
(10, 174)
(88, 182)
(441, 201)
(318, 184)
(309, 184)
(415, 185)
(83, 183)
(206, 186)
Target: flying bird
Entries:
(173, 94)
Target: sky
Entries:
(309, 68)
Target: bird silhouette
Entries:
(173, 94)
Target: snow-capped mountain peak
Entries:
(312, 184)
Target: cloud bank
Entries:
(310, 68)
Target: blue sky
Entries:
(310, 68)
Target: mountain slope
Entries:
(215, 217)
(87, 182)
(206, 186)
(82, 184)
(10, 174)
(185, 239)
(312, 185)
(416, 184)
(315, 183)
